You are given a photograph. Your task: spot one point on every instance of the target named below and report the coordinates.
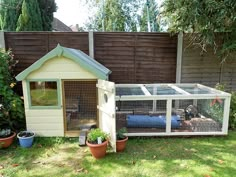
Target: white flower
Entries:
(12, 85)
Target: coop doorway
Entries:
(80, 106)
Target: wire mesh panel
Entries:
(175, 109)
(141, 116)
(161, 90)
(80, 104)
(199, 115)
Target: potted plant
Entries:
(26, 138)
(11, 105)
(6, 137)
(7, 125)
(97, 141)
(121, 139)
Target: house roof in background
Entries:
(77, 56)
(58, 25)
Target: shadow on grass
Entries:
(47, 157)
(197, 156)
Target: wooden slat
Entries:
(137, 57)
(200, 68)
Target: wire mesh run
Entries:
(202, 115)
(140, 116)
(199, 115)
(175, 109)
(80, 104)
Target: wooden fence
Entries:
(206, 68)
(28, 47)
(137, 57)
(132, 57)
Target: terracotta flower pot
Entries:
(98, 150)
(120, 145)
(6, 142)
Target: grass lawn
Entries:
(144, 157)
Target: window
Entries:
(44, 93)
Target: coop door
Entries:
(106, 107)
(80, 104)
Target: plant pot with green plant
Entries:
(121, 139)
(6, 137)
(11, 105)
(97, 141)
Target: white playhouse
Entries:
(60, 92)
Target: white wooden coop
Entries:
(171, 109)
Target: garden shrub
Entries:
(11, 105)
(232, 113)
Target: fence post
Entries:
(221, 73)
(179, 57)
(91, 44)
(2, 40)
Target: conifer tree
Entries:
(10, 10)
(9, 13)
(114, 15)
(150, 8)
(30, 18)
(47, 8)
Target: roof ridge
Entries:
(76, 55)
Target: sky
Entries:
(72, 12)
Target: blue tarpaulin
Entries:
(147, 121)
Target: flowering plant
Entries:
(11, 105)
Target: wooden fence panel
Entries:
(155, 58)
(196, 68)
(69, 39)
(116, 51)
(228, 77)
(132, 57)
(137, 57)
(27, 47)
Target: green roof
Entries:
(77, 56)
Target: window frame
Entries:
(58, 106)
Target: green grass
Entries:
(144, 157)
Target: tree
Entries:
(10, 10)
(131, 9)
(212, 22)
(110, 17)
(30, 18)
(47, 8)
(114, 15)
(9, 13)
(149, 13)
